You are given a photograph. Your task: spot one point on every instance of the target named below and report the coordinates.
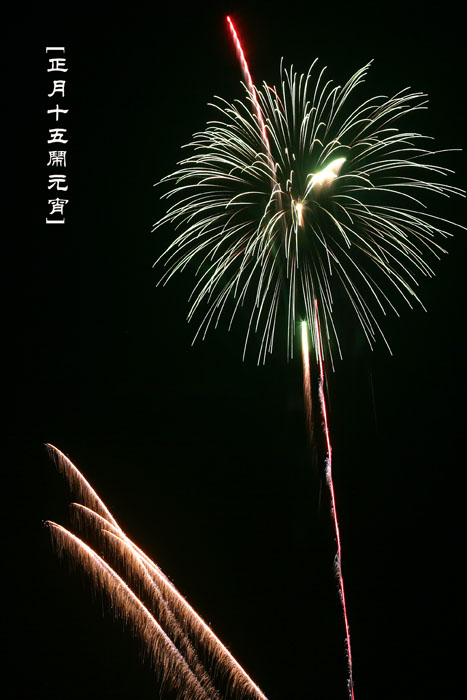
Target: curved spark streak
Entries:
(186, 616)
(78, 484)
(138, 571)
(174, 612)
(163, 652)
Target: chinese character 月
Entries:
(59, 88)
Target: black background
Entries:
(203, 458)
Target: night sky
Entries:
(201, 457)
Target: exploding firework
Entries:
(296, 194)
(185, 652)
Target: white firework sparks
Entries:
(332, 196)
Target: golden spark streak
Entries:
(165, 655)
(179, 618)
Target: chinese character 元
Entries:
(57, 181)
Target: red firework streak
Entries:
(306, 378)
(330, 483)
(249, 81)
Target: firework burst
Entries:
(298, 196)
(295, 194)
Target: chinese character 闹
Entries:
(57, 158)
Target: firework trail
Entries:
(249, 81)
(307, 381)
(79, 485)
(138, 573)
(330, 482)
(167, 659)
(317, 180)
(171, 631)
(329, 479)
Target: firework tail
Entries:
(330, 482)
(137, 572)
(182, 621)
(276, 195)
(168, 661)
(307, 381)
(239, 680)
(249, 82)
(79, 485)
(259, 114)
(306, 365)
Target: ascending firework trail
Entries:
(306, 368)
(296, 193)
